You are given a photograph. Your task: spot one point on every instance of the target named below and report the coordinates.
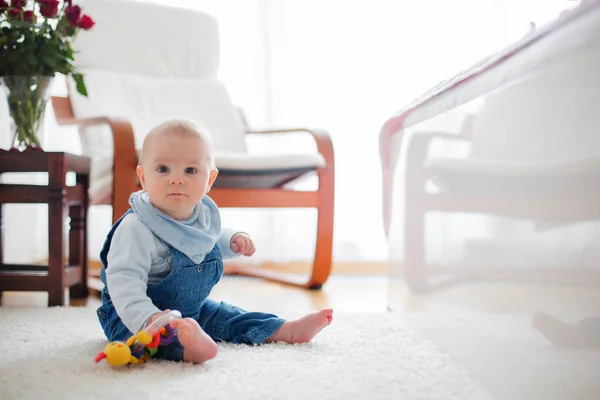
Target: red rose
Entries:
(77, 20)
(86, 22)
(3, 5)
(73, 14)
(48, 8)
(28, 16)
(18, 3)
(15, 12)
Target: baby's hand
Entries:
(242, 244)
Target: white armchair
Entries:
(136, 77)
(534, 150)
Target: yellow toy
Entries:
(118, 354)
(140, 347)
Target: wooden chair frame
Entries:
(125, 182)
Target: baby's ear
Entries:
(211, 178)
(140, 174)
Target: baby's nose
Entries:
(176, 181)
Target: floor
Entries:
(365, 293)
(343, 293)
(486, 327)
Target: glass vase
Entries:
(27, 97)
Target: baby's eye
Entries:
(162, 169)
(190, 170)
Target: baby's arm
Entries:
(225, 242)
(129, 260)
(236, 243)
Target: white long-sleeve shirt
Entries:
(138, 258)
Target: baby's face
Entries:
(176, 174)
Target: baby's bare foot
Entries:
(198, 347)
(304, 329)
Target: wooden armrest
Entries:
(125, 158)
(122, 133)
(321, 136)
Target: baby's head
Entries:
(177, 166)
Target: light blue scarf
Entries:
(194, 237)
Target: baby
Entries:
(166, 253)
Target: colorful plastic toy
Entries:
(140, 347)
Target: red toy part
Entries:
(155, 341)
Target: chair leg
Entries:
(124, 184)
(324, 245)
(121, 193)
(323, 248)
(321, 264)
(77, 244)
(119, 208)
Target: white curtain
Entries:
(344, 66)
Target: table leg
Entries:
(56, 231)
(1, 242)
(56, 254)
(1, 245)
(77, 250)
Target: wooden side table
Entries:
(56, 276)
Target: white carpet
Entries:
(509, 358)
(49, 354)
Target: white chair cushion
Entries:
(141, 38)
(147, 101)
(249, 162)
(101, 180)
(552, 114)
(133, 73)
(480, 176)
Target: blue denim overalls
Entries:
(186, 289)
